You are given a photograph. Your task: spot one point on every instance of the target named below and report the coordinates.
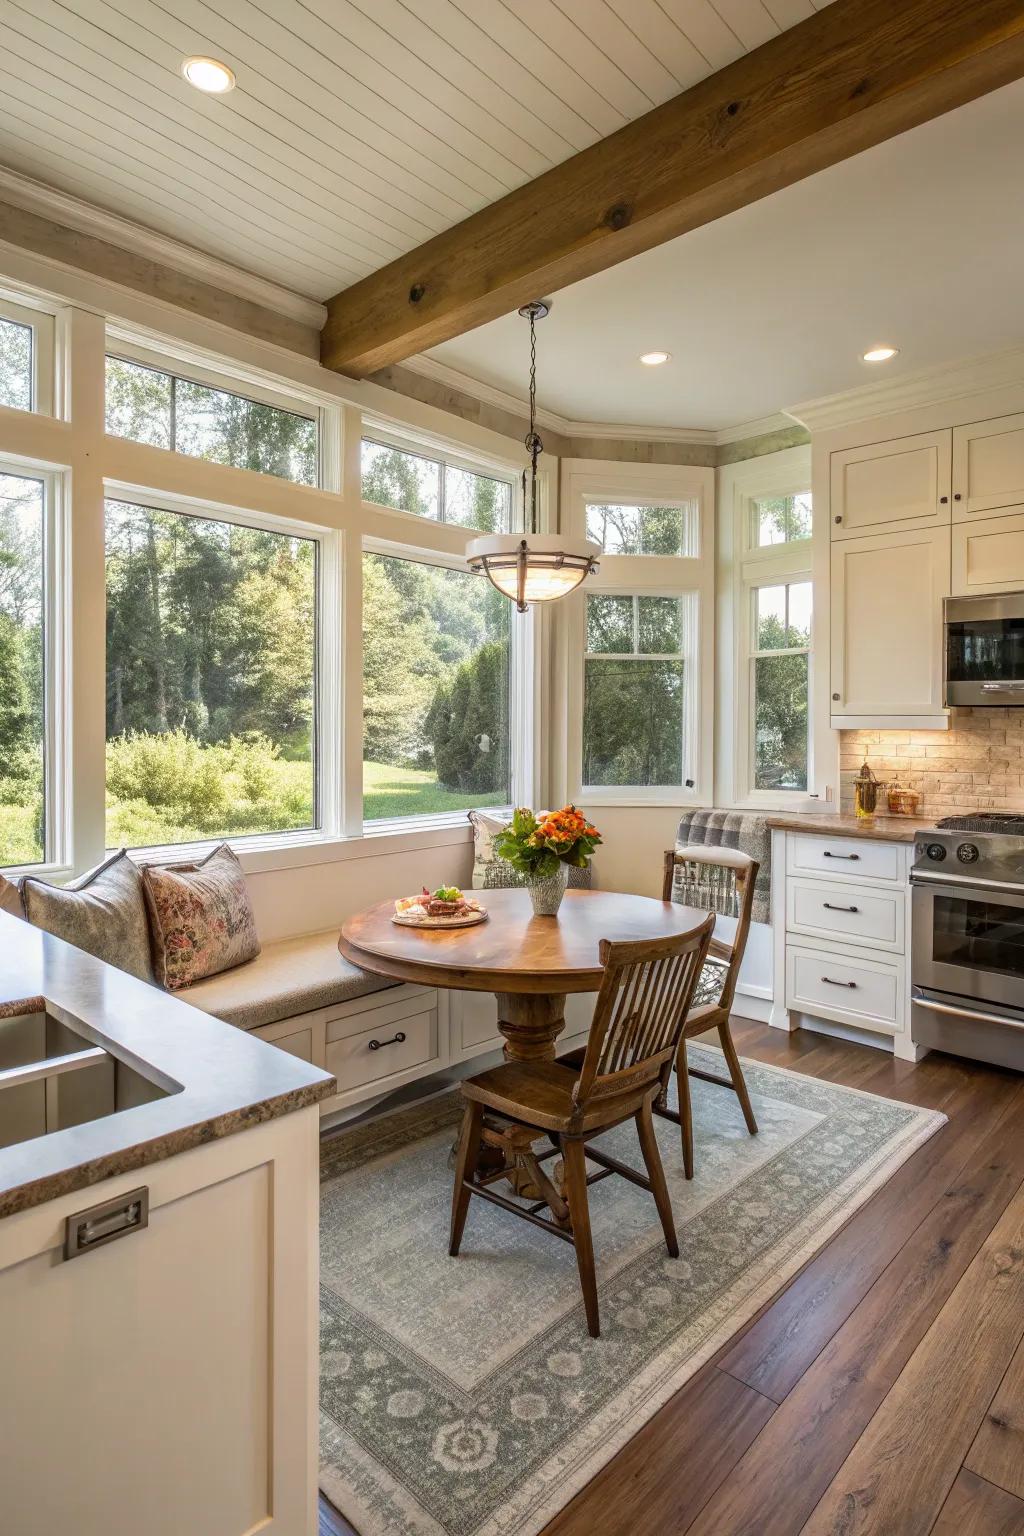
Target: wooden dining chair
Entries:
(634, 1039)
(719, 880)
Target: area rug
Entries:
(464, 1397)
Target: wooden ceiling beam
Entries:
(854, 74)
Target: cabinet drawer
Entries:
(857, 914)
(355, 1059)
(858, 991)
(843, 857)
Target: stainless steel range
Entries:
(967, 966)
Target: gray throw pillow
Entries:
(102, 912)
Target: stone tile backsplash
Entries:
(978, 762)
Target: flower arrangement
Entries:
(536, 847)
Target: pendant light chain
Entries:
(534, 446)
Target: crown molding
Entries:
(487, 394)
(63, 208)
(928, 386)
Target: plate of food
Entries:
(446, 907)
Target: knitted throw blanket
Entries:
(726, 829)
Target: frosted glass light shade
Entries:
(533, 568)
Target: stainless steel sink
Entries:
(53, 1075)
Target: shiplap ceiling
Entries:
(358, 128)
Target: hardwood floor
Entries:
(881, 1393)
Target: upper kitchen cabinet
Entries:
(988, 468)
(900, 484)
(887, 591)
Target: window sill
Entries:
(263, 855)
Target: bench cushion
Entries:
(291, 977)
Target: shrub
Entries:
(464, 723)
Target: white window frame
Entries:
(744, 566)
(688, 654)
(42, 325)
(424, 445)
(687, 576)
(56, 669)
(129, 351)
(522, 685)
(327, 732)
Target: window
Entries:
(779, 519)
(780, 661)
(16, 365)
(150, 406)
(635, 687)
(431, 487)
(436, 669)
(663, 528)
(211, 678)
(22, 670)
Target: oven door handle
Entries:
(965, 1013)
(957, 885)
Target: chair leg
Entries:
(656, 1174)
(736, 1073)
(465, 1167)
(685, 1109)
(574, 1158)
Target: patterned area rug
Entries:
(464, 1397)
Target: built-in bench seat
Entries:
(291, 977)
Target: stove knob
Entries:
(936, 851)
(967, 853)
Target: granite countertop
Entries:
(220, 1079)
(882, 829)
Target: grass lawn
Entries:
(389, 791)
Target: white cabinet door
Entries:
(904, 483)
(988, 555)
(988, 467)
(887, 593)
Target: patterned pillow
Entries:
(708, 988)
(201, 918)
(491, 873)
(102, 912)
(10, 897)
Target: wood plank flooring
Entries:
(881, 1393)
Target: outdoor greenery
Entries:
(633, 691)
(780, 686)
(210, 677)
(21, 670)
(435, 667)
(15, 365)
(641, 530)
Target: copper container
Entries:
(903, 802)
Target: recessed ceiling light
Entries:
(209, 75)
(879, 354)
(652, 359)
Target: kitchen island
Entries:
(158, 1259)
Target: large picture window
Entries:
(780, 660)
(436, 666)
(22, 670)
(150, 406)
(211, 678)
(634, 696)
(431, 487)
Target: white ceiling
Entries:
(358, 128)
(918, 242)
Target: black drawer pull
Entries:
(376, 1045)
(852, 856)
(838, 983)
(830, 907)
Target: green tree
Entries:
(780, 711)
(467, 723)
(15, 709)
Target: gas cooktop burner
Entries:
(987, 821)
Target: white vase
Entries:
(547, 892)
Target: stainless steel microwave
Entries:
(984, 639)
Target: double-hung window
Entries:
(767, 548)
(641, 633)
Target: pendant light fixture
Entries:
(533, 567)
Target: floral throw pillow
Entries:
(201, 919)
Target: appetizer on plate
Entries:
(446, 901)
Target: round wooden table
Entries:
(530, 963)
